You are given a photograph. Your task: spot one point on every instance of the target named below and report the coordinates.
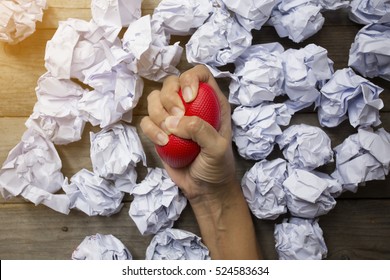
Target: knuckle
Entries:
(195, 125)
(152, 95)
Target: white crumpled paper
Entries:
(93, 195)
(297, 20)
(300, 19)
(115, 152)
(305, 71)
(89, 53)
(259, 75)
(251, 14)
(76, 46)
(56, 114)
(362, 157)
(18, 18)
(115, 12)
(176, 244)
(370, 52)
(33, 170)
(255, 128)
(300, 239)
(101, 247)
(219, 41)
(368, 11)
(309, 195)
(305, 146)
(157, 202)
(262, 186)
(181, 17)
(349, 93)
(113, 103)
(148, 51)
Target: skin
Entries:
(209, 182)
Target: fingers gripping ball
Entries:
(181, 152)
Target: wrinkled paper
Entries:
(115, 12)
(262, 186)
(300, 239)
(115, 152)
(33, 171)
(368, 11)
(370, 52)
(56, 114)
(300, 19)
(260, 75)
(362, 157)
(309, 195)
(255, 128)
(157, 202)
(297, 20)
(101, 247)
(18, 19)
(251, 14)
(178, 17)
(306, 70)
(348, 93)
(148, 51)
(176, 244)
(305, 146)
(93, 195)
(219, 41)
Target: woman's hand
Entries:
(213, 169)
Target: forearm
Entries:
(226, 225)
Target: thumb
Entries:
(198, 130)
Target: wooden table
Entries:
(358, 227)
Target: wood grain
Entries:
(358, 227)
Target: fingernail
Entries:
(176, 111)
(187, 94)
(171, 122)
(162, 139)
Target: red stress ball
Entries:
(181, 152)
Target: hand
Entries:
(213, 169)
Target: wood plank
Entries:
(354, 229)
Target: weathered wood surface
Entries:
(358, 227)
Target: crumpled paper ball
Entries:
(368, 11)
(297, 20)
(219, 41)
(18, 19)
(255, 128)
(300, 239)
(157, 202)
(115, 12)
(181, 17)
(370, 52)
(306, 70)
(309, 195)
(148, 52)
(101, 247)
(251, 14)
(259, 75)
(305, 146)
(93, 195)
(362, 157)
(176, 244)
(56, 114)
(348, 93)
(262, 186)
(115, 152)
(33, 170)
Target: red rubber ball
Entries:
(179, 152)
